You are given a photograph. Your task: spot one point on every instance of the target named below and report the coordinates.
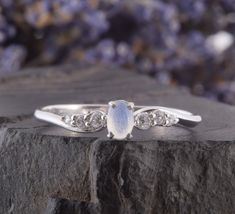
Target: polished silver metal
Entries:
(120, 117)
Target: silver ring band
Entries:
(120, 117)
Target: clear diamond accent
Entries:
(92, 121)
(159, 118)
(78, 121)
(143, 120)
(67, 119)
(97, 120)
(171, 120)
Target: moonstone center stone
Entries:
(120, 119)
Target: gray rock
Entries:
(46, 169)
(65, 206)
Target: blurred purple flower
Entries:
(12, 58)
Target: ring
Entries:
(120, 117)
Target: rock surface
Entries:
(46, 169)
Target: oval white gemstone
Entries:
(120, 119)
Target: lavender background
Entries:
(187, 43)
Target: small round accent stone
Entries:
(171, 120)
(160, 118)
(143, 121)
(78, 121)
(97, 120)
(67, 119)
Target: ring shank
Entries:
(54, 113)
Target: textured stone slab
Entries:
(163, 170)
(65, 206)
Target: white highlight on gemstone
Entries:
(120, 119)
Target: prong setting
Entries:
(112, 104)
(87, 124)
(110, 135)
(129, 136)
(131, 106)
